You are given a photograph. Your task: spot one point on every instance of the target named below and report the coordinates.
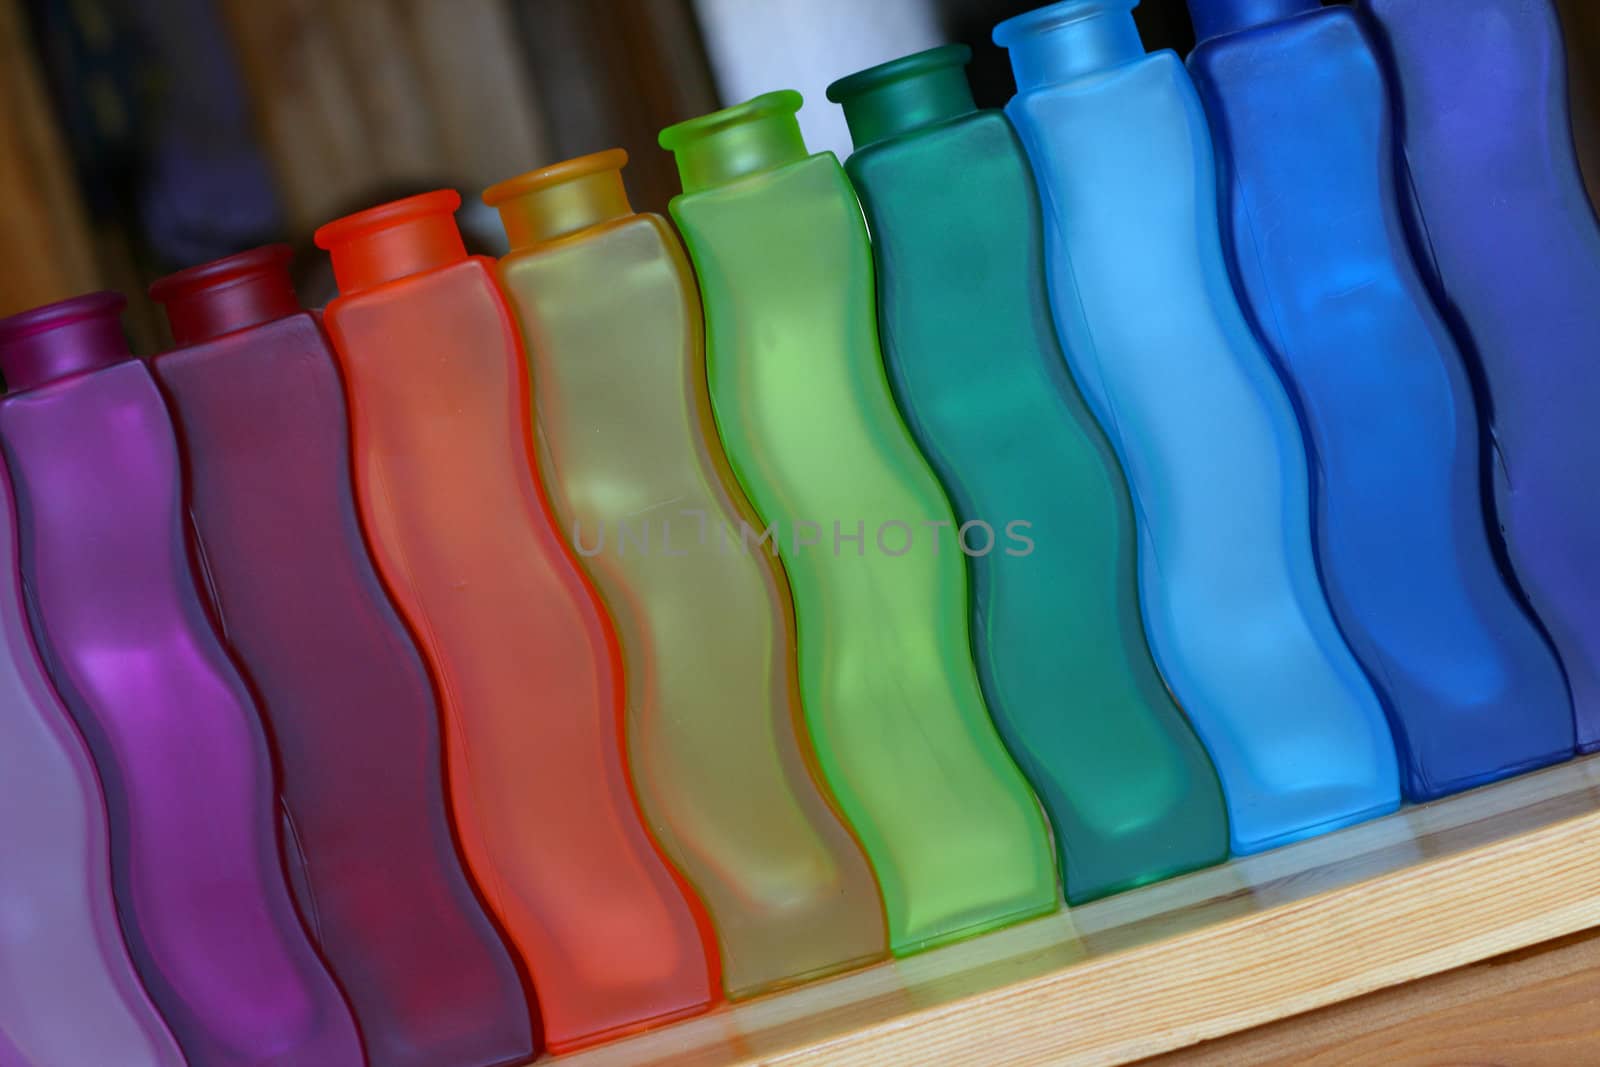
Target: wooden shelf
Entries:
(1427, 890)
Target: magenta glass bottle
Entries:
(189, 784)
(349, 702)
(68, 991)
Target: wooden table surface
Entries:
(1536, 1008)
(1369, 945)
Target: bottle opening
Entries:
(394, 240)
(905, 94)
(228, 294)
(724, 146)
(1214, 18)
(1067, 40)
(567, 198)
(58, 340)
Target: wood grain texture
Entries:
(612, 75)
(1426, 891)
(1535, 1008)
(49, 252)
(359, 100)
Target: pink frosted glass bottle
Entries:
(261, 421)
(68, 991)
(189, 785)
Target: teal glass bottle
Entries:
(865, 533)
(972, 355)
(1155, 336)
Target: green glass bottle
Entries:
(868, 539)
(973, 358)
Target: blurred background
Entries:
(141, 136)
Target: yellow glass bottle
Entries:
(641, 488)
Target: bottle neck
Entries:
(235, 293)
(725, 146)
(1067, 40)
(546, 205)
(1214, 18)
(905, 94)
(393, 241)
(58, 340)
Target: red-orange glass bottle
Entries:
(529, 670)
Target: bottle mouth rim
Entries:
(610, 159)
(221, 272)
(943, 57)
(1006, 33)
(102, 304)
(384, 216)
(779, 102)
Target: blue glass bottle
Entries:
(1318, 248)
(1207, 435)
(976, 368)
(1509, 237)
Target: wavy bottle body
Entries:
(348, 700)
(1319, 249)
(1511, 241)
(975, 364)
(1207, 435)
(528, 665)
(62, 958)
(174, 733)
(641, 488)
(866, 535)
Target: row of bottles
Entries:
(518, 654)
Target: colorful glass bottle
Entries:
(973, 358)
(865, 533)
(68, 990)
(1207, 435)
(527, 662)
(642, 490)
(1319, 251)
(125, 633)
(348, 701)
(1507, 231)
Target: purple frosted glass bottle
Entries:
(261, 419)
(188, 777)
(68, 991)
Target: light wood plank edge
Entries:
(1393, 928)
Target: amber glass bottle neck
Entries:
(558, 201)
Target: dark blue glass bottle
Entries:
(1502, 223)
(1301, 115)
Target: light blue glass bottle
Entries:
(1207, 435)
(1318, 247)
